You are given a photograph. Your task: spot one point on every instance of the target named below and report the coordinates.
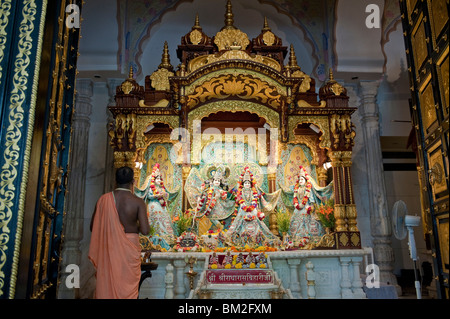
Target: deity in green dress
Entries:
(304, 226)
(156, 196)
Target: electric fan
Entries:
(403, 224)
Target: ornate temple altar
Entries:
(234, 111)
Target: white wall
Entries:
(248, 17)
(95, 175)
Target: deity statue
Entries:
(305, 226)
(261, 260)
(211, 198)
(214, 260)
(227, 260)
(251, 204)
(251, 259)
(240, 259)
(156, 196)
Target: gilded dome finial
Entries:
(265, 26)
(292, 58)
(165, 60)
(197, 23)
(229, 18)
(331, 76)
(130, 74)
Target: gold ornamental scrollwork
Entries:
(124, 159)
(195, 37)
(144, 121)
(233, 106)
(231, 37)
(342, 128)
(207, 78)
(320, 121)
(245, 87)
(14, 138)
(160, 79)
(204, 60)
(268, 38)
(5, 8)
(127, 87)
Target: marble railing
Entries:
(337, 273)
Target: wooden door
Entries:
(56, 87)
(426, 26)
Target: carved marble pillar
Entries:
(168, 279)
(73, 224)
(109, 182)
(294, 286)
(311, 280)
(379, 217)
(180, 289)
(357, 286)
(346, 292)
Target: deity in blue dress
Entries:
(211, 198)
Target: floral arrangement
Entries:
(186, 235)
(283, 220)
(325, 212)
(183, 221)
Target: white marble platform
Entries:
(337, 273)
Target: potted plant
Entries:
(325, 213)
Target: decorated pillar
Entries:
(109, 181)
(322, 176)
(339, 200)
(185, 171)
(342, 136)
(379, 217)
(122, 132)
(77, 179)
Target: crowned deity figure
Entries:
(248, 228)
(304, 225)
(213, 202)
(155, 195)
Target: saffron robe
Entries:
(115, 254)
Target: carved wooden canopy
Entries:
(229, 72)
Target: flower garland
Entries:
(211, 200)
(305, 198)
(153, 185)
(255, 196)
(178, 247)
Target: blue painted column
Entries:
(21, 34)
